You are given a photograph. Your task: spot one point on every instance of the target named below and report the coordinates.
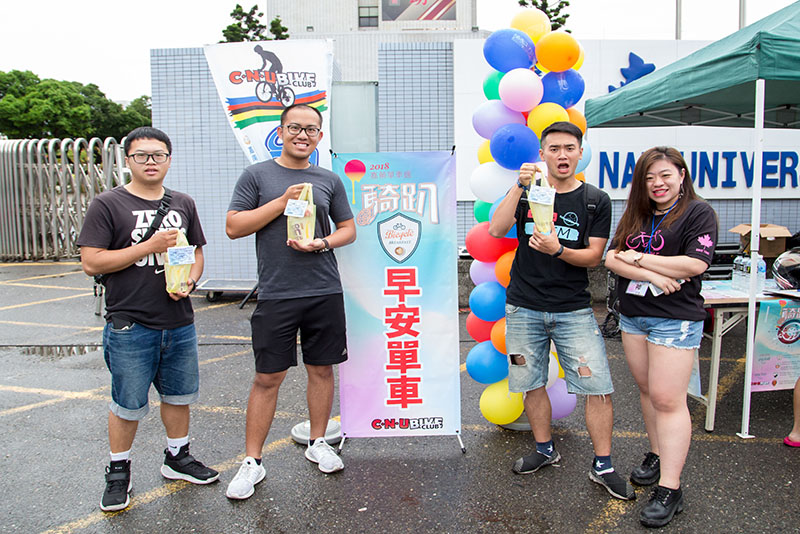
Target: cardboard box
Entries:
(772, 239)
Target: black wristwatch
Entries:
(558, 252)
(519, 184)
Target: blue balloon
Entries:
(485, 364)
(514, 144)
(563, 88)
(509, 49)
(511, 233)
(488, 301)
(582, 163)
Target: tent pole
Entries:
(755, 226)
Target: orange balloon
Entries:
(558, 51)
(502, 268)
(499, 335)
(580, 177)
(577, 118)
(533, 22)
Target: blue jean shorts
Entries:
(673, 333)
(579, 344)
(138, 356)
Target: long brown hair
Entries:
(639, 206)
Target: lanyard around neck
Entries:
(654, 226)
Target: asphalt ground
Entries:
(54, 390)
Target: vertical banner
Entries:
(402, 377)
(256, 81)
(776, 361)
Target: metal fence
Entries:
(45, 187)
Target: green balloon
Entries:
(481, 210)
(491, 83)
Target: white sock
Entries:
(120, 456)
(174, 444)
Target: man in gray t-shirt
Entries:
(298, 288)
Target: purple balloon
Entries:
(481, 272)
(491, 115)
(563, 88)
(561, 402)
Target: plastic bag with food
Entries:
(301, 227)
(178, 264)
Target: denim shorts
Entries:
(673, 333)
(580, 347)
(138, 356)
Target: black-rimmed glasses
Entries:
(295, 129)
(141, 157)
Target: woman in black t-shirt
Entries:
(663, 244)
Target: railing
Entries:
(45, 187)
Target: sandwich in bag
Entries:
(178, 264)
(301, 216)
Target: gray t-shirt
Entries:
(282, 271)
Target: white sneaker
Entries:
(243, 484)
(323, 454)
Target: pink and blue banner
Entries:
(402, 377)
(776, 357)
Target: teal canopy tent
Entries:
(749, 79)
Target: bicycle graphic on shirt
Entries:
(656, 241)
(270, 88)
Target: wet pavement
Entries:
(54, 389)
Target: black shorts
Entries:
(321, 322)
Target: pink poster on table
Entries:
(776, 360)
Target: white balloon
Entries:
(520, 90)
(489, 181)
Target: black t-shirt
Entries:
(543, 283)
(693, 235)
(117, 219)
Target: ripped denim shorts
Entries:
(672, 333)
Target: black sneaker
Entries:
(648, 472)
(664, 504)
(118, 486)
(185, 467)
(615, 484)
(533, 462)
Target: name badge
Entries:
(657, 291)
(295, 208)
(637, 287)
(180, 255)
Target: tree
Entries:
(557, 20)
(34, 108)
(248, 27)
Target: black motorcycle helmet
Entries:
(786, 269)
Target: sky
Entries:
(108, 42)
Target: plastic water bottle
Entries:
(762, 274)
(736, 273)
(745, 284)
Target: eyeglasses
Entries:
(295, 129)
(141, 157)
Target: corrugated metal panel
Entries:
(357, 53)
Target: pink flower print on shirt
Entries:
(705, 242)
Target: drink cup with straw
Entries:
(541, 198)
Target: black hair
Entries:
(301, 106)
(563, 127)
(146, 132)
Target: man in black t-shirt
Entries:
(149, 336)
(548, 300)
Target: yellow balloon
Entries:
(484, 154)
(558, 51)
(499, 406)
(579, 63)
(544, 115)
(560, 370)
(533, 22)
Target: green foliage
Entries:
(31, 108)
(557, 20)
(248, 27)
(278, 30)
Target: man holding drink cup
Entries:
(548, 299)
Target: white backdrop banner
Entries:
(256, 81)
